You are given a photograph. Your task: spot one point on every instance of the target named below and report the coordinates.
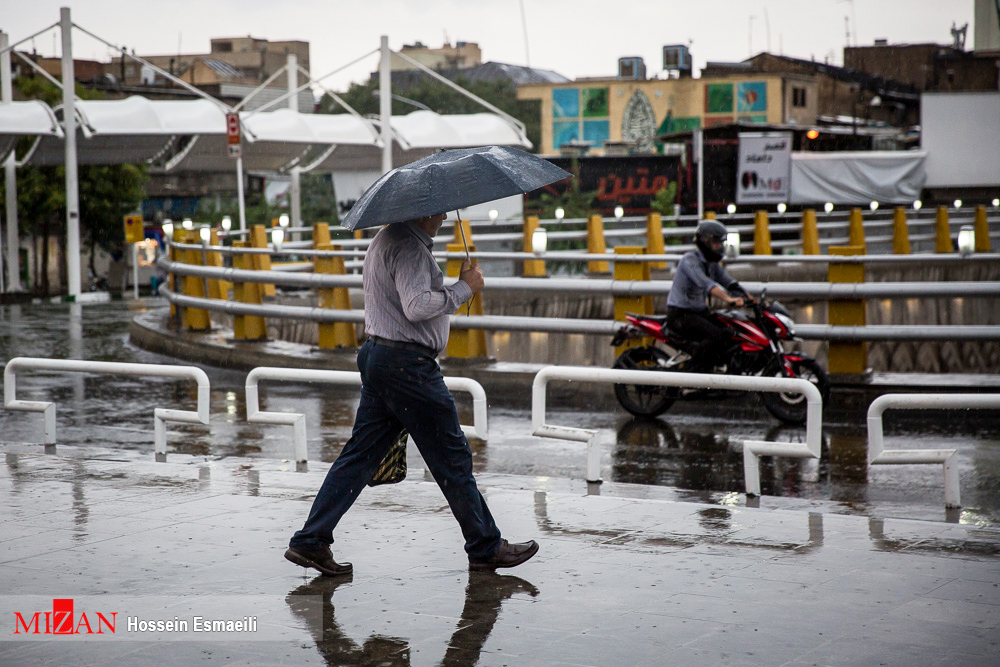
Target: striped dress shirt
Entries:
(405, 296)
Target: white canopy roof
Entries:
(25, 118)
(190, 135)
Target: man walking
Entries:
(407, 310)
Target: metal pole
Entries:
(135, 270)
(239, 193)
(13, 283)
(385, 105)
(699, 153)
(295, 195)
(69, 128)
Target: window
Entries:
(798, 97)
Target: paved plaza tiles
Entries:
(625, 576)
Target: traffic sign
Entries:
(133, 229)
(233, 135)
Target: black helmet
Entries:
(708, 231)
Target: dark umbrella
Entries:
(448, 181)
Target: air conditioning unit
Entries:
(632, 68)
(676, 57)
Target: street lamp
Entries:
(283, 220)
(539, 240)
(227, 223)
(205, 233)
(619, 212)
(187, 224)
(828, 207)
(168, 229)
(731, 209)
(277, 237)
(966, 240)
(782, 208)
(560, 213)
(957, 203)
(873, 206)
(733, 244)
(494, 214)
(917, 204)
(996, 202)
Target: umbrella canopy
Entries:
(448, 181)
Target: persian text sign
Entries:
(763, 167)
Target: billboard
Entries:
(763, 167)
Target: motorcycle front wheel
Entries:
(789, 407)
(643, 400)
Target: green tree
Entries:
(663, 203)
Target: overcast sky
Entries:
(577, 38)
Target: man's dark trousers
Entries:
(403, 389)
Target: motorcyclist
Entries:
(699, 275)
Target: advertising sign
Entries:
(233, 145)
(763, 167)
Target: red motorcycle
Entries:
(756, 349)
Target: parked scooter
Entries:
(756, 336)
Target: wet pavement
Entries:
(627, 577)
(667, 562)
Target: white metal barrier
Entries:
(752, 449)
(160, 415)
(349, 378)
(878, 455)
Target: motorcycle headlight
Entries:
(787, 321)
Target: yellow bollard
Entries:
(334, 334)
(856, 230)
(465, 343)
(459, 227)
(847, 358)
(359, 234)
(631, 304)
(321, 234)
(900, 232)
(533, 268)
(258, 239)
(942, 232)
(247, 327)
(982, 230)
(761, 234)
(810, 233)
(654, 239)
(709, 215)
(596, 244)
(217, 289)
(194, 319)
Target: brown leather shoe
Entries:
(320, 559)
(508, 555)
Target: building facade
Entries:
(611, 112)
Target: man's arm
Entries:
(420, 298)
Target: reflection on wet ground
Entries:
(696, 449)
(618, 580)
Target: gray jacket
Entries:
(694, 277)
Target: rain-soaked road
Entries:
(694, 448)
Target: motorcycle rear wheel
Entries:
(791, 408)
(643, 400)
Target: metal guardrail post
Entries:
(175, 256)
(856, 230)
(810, 233)
(465, 343)
(247, 327)
(351, 379)
(847, 358)
(533, 268)
(654, 239)
(596, 243)
(942, 232)
(982, 230)
(334, 334)
(761, 234)
(900, 232)
(631, 304)
(194, 319)
(946, 457)
(160, 415)
(258, 239)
